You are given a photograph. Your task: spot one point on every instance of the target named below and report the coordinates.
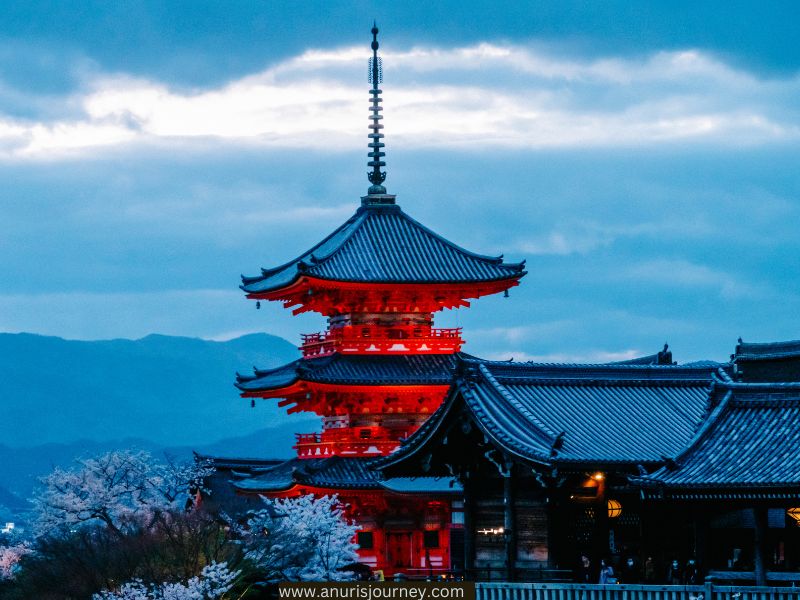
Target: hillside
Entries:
(64, 399)
(170, 391)
(20, 468)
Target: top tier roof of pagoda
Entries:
(382, 244)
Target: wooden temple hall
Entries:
(517, 471)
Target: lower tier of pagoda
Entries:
(409, 525)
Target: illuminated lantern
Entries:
(615, 509)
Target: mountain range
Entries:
(61, 399)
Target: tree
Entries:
(123, 490)
(302, 539)
(92, 558)
(10, 557)
(213, 582)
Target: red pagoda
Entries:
(379, 369)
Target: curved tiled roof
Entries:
(766, 351)
(336, 472)
(382, 244)
(340, 473)
(433, 369)
(576, 413)
(747, 447)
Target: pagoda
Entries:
(379, 369)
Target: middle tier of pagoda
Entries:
(367, 403)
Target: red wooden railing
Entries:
(382, 339)
(357, 441)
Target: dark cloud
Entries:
(204, 42)
(690, 240)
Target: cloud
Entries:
(475, 97)
(591, 357)
(686, 274)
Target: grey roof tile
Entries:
(382, 244)
(607, 413)
(767, 350)
(433, 369)
(750, 441)
(336, 472)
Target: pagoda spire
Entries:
(376, 176)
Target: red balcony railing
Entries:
(356, 441)
(382, 339)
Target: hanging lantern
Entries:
(614, 508)
(794, 513)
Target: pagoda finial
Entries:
(376, 176)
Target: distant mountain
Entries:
(171, 391)
(20, 468)
(10, 501)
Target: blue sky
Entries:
(641, 156)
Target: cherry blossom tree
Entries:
(302, 539)
(213, 583)
(10, 557)
(123, 490)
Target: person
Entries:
(606, 573)
(674, 574)
(691, 576)
(630, 572)
(583, 573)
(650, 570)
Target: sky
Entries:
(642, 157)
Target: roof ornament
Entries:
(376, 176)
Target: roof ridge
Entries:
(614, 366)
(500, 388)
(759, 386)
(708, 424)
(496, 259)
(768, 344)
(351, 222)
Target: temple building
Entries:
(514, 471)
(545, 452)
(378, 371)
(652, 462)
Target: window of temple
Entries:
(365, 540)
(431, 538)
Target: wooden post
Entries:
(602, 526)
(760, 543)
(701, 531)
(509, 524)
(469, 528)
